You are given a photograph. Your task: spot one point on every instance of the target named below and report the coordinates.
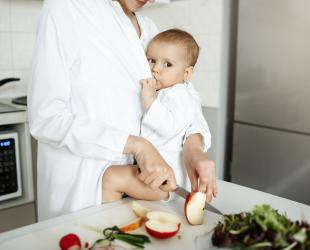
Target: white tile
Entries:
(5, 15)
(23, 44)
(205, 16)
(173, 15)
(178, 14)
(5, 50)
(210, 52)
(6, 73)
(160, 16)
(24, 15)
(208, 85)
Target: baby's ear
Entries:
(188, 73)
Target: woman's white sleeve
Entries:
(51, 117)
(199, 124)
(169, 116)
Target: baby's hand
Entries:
(148, 92)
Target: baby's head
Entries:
(172, 55)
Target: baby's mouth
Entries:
(156, 78)
(158, 84)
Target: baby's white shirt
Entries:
(165, 123)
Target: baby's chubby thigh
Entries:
(115, 181)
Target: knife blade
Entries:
(183, 193)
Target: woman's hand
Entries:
(200, 169)
(154, 169)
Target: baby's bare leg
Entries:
(118, 180)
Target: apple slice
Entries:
(139, 210)
(162, 225)
(133, 225)
(193, 208)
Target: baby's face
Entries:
(167, 62)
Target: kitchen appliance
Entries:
(271, 127)
(10, 173)
(184, 193)
(6, 80)
(7, 108)
(22, 100)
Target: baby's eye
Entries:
(168, 64)
(151, 60)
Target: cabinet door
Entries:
(272, 161)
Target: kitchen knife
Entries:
(183, 193)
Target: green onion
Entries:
(112, 233)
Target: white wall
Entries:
(17, 37)
(203, 19)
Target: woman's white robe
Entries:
(84, 98)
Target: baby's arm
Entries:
(199, 124)
(170, 114)
(120, 180)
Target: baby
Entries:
(170, 104)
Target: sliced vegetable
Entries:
(133, 225)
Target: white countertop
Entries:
(232, 198)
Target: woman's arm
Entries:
(154, 169)
(200, 169)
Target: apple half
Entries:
(162, 225)
(139, 210)
(194, 207)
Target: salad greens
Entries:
(263, 228)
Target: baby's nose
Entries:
(155, 67)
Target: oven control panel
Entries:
(10, 178)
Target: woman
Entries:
(85, 107)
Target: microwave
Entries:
(10, 172)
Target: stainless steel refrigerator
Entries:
(271, 125)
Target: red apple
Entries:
(70, 242)
(162, 225)
(194, 208)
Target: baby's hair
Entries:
(182, 37)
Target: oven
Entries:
(10, 172)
